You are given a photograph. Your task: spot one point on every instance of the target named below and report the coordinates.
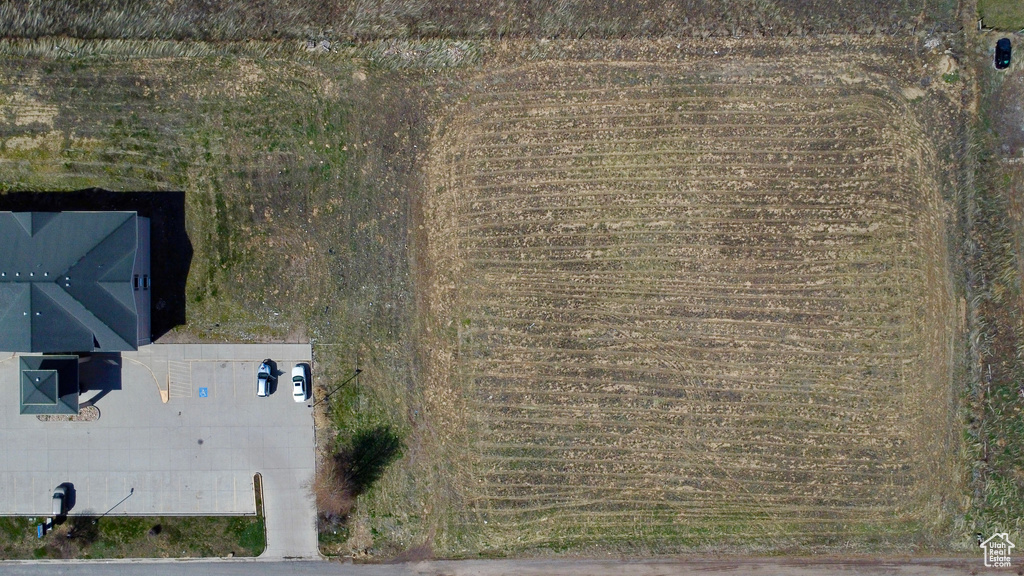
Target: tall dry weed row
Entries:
(385, 54)
(234, 20)
(996, 342)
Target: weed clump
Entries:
(352, 471)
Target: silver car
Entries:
(263, 377)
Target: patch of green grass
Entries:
(15, 526)
(122, 530)
(952, 77)
(1002, 14)
(251, 535)
(135, 537)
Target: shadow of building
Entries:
(170, 247)
(99, 373)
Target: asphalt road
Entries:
(684, 567)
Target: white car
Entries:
(300, 383)
(60, 495)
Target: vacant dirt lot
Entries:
(619, 296)
(694, 303)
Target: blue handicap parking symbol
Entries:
(203, 393)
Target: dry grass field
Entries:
(996, 397)
(1002, 14)
(417, 19)
(694, 304)
(612, 296)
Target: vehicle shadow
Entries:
(71, 498)
(274, 374)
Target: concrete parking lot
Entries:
(181, 433)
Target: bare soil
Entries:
(691, 303)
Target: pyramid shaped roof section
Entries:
(49, 384)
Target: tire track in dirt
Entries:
(684, 288)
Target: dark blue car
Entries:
(1003, 51)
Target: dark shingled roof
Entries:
(49, 384)
(66, 281)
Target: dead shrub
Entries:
(351, 471)
(334, 498)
